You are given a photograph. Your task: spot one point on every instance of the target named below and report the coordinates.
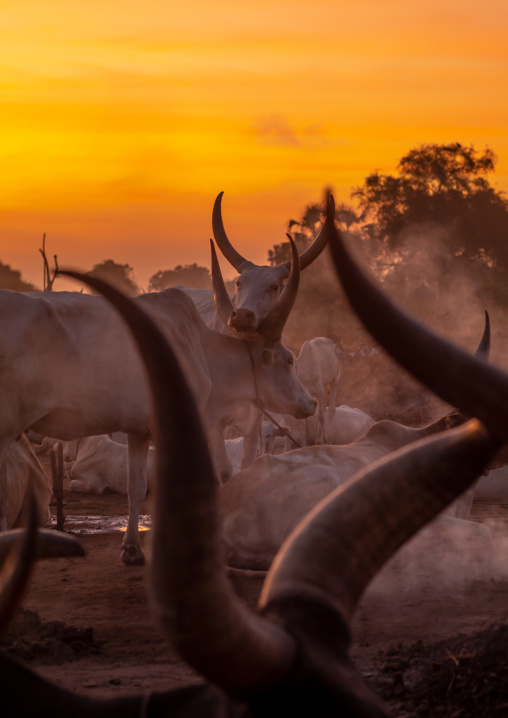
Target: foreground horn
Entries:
(236, 259)
(272, 326)
(468, 382)
(193, 599)
(340, 546)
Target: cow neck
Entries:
(258, 403)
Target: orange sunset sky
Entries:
(121, 121)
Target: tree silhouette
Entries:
(189, 275)
(443, 185)
(308, 227)
(120, 276)
(11, 279)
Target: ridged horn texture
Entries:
(467, 382)
(223, 303)
(225, 246)
(50, 544)
(272, 326)
(17, 569)
(340, 546)
(193, 599)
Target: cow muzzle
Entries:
(307, 409)
(243, 320)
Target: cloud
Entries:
(275, 130)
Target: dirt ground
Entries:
(422, 634)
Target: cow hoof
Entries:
(132, 556)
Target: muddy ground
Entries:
(423, 633)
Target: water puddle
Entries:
(89, 525)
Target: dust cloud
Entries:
(447, 292)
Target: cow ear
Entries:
(267, 357)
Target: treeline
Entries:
(435, 235)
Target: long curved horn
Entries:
(273, 324)
(340, 546)
(223, 303)
(467, 382)
(193, 599)
(317, 246)
(225, 246)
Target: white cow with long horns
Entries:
(257, 289)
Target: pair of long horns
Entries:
(272, 325)
(333, 556)
(236, 259)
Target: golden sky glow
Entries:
(121, 122)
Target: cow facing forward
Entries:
(257, 287)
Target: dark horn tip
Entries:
(330, 205)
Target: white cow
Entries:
(267, 443)
(98, 463)
(318, 368)
(71, 370)
(23, 477)
(347, 425)
(262, 505)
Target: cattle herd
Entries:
(174, 372)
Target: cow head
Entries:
(257, 288)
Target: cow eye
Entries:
(291, 361)
(237, 284)
(274, 287)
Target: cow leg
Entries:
(223, 466)
(252, 442)
(321, 435)
(137, 448)
(331, 408)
